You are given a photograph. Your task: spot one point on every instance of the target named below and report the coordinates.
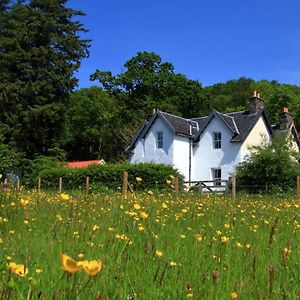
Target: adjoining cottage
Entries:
(207, 148)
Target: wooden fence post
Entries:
(39, 184)
(87, 184)
(176, 187)
(298, 187)
(125, 184)
(60, 185)
(233, 187)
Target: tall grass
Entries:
(201, 247)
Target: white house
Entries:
(206, 148)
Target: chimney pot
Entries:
(254, 93)
(258, 95)
(285, 110)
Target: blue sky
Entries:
(207, 40)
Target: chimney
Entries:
(285, 119)
(256, 103)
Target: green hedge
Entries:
(110, 176)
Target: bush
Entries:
(269, 166)
(110, 176)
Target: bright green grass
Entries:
(205, 269)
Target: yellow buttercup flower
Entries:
(138, 179)
(64, 197)
(92, 268)
(24, 202)
(158, 253)
(136, 206)
(234, 295)
(164, 205)
(144, 215)
(224, 239)
(19, 269)
(69, 264)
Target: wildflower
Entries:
(136, 206)
(173, 264)
(141, 228)
(144, 215)
(59, 217)
(64, 197)
(189, 295)
(158, 253)
(69, 264)
(38, 271)
(95, 227)
(224, 239)
(138, 179)
(24, 202)
(226, 226)
(168, 181)
(18, 269)
(287, 251)
(239, 245)
(92, 268)
(234, 295)
(164, 205)
(218, 232)
(199, 237)
(80, 255)
(150, 193)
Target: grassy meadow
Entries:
(149, 246)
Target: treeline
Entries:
(43, 117)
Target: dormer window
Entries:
(217, 140)
(159, 140)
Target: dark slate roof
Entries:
(239, 123)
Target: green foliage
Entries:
(91, 125)
(270, 165)
(9, 156)
(40, 49)
(110, 175)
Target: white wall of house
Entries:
(181, 155)
(146, 149)
(258, 135)
(206, 157)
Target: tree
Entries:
(40, 49)
(149, 83)
(91, 125)
(270, 164)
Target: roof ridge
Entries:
(163, 112)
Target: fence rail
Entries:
(203, 186)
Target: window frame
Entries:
(159, 140)
(217, 179)
(217, 140)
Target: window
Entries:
(159, 140)
(217, 140)
(216, 175)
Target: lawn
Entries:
(148, 246)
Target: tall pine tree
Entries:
(40, 48)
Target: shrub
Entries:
(272, 165)
(110, 176)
